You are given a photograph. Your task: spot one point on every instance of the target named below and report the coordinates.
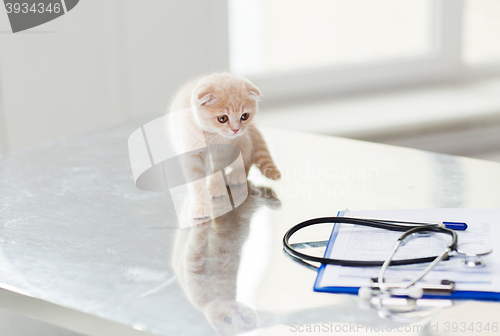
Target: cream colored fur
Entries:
(206, 100)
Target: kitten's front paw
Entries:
(217, 190)
(272, 173)
(236, 178)
(216, 185)
(200, 209)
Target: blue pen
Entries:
(456, 226)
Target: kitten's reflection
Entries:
(207, 257)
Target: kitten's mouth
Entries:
(233, 135)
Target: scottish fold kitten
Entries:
(223, 106)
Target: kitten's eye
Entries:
(222, 119)
(245, 116)
(228, 320)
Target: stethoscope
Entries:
(471, 253)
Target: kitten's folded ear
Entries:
(204, 96)
(253, 92)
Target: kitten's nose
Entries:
(235, 130)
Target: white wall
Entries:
(103, 62)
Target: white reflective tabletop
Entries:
(76, 233)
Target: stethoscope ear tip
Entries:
(365, 293)
(415, 292)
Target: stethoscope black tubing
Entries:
(357, 221)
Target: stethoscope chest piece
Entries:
(473, 253)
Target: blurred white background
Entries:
(417, 73)
(103, 62)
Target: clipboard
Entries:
(455, 295)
